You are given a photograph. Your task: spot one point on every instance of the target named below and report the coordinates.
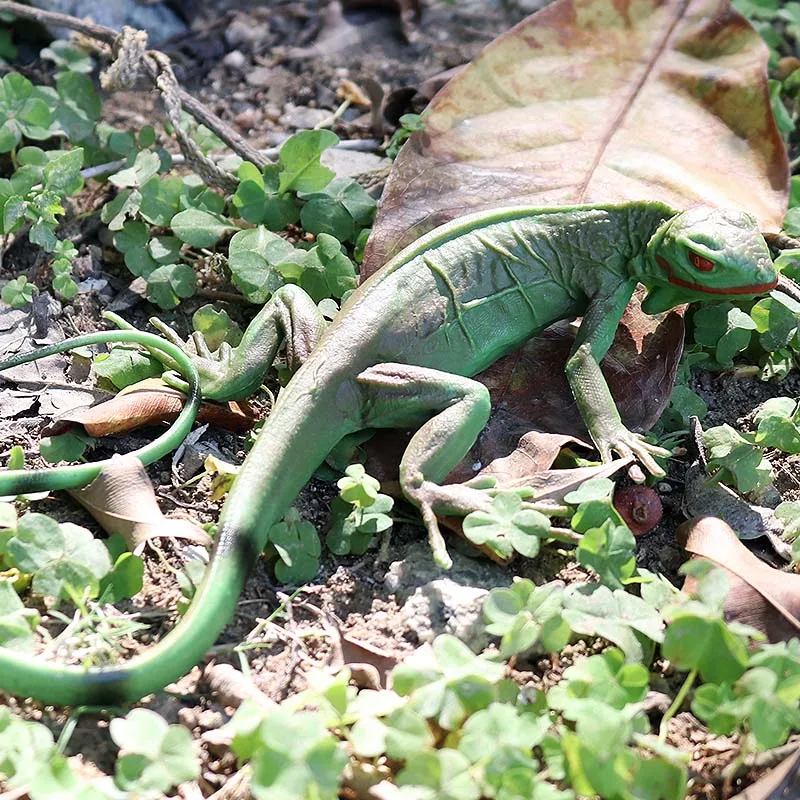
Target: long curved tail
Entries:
(297, 437)
(14, 482)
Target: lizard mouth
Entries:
(756, 288)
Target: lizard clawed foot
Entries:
(458, 498)
(213, 367)
(629, 444)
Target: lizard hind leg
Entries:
(452, 411)
(234, 373)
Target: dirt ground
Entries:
(268, 70)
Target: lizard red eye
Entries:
(700, 262)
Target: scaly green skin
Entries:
(400, 354)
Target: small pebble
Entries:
(236, 59)
(259, 76)
(247, 119)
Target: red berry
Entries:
(640, 507)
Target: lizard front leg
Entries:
(233, 373)
(590, 389)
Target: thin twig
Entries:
(109, 36)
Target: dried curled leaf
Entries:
(780, 783)
(122, 500)
(760, 595)
(146, 403)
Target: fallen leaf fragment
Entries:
(761, 596)
(534, 453)
(146, 403)
(705, 497)
(122, 500)
(359, 655)
(781, 783)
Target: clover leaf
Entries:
(301, 170)
(622, 618)
(609, 550)
(258, 200)
(23, 112)
(125, 365)
(524, 614)
(216, 326)
(200, 228)
(298, 548)
(64, 559)
(325, 270)
(499, 726)
(508, 527)
(18, 293)
(252, 259)
(144, 166)
(779, 424)
(154, 756)
(776, 318)
(353, 528)
(169, 283)
(17, 623)
(292, 755)
(69, 446)
(697, 638)
(401, 734)
(447, 681)
(358, 488)
(605, 677)
(737, 458)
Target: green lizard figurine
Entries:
(400, 354)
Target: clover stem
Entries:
(548, 509)
(565, 535)
(676, 704)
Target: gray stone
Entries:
(244, 30)
(236, 59)
(435, 601)
(259, 77)
(348, 163)
(14, 402)
(303, 117)
(18, 334)
(158, 20)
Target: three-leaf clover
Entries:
(524, 614)
(298, 548)
(508, 527)
(64, 559)
(154, 756)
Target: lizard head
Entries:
(706, 254)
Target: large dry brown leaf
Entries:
(531, 384)
(596, 101)
(760, 595)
